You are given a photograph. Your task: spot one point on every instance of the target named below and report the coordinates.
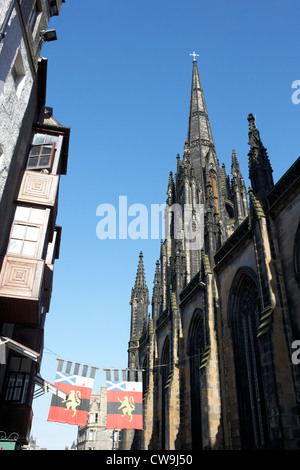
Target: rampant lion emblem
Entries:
(73, 401)
(128, 407)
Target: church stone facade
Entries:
(216, 349)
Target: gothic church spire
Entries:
(199, 136)
(239, 192)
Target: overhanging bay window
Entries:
(42, 152)
(24, 239)
(26, 233)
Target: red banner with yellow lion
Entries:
(78, 388)
(124, 400)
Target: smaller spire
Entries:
(171, 189)
(140, 290)
(233, 157)
(171, 178)
(224, 181)
(260, 171)
(157, 283)
(239, 192)
(140, 276)
(139, 303)
(235, 168)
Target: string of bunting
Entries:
(149, 369)
(75, 381)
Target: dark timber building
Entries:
(33, 156)
(217, 348)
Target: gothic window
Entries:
(196, 345)
(42, 152)
(297, 256)
(165, 371)
(244, 321)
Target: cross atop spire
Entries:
(194, 55)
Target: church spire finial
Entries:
(194, 55)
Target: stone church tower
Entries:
(216, 349)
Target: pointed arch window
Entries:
(165, 372)
(244, 311)
(196, 346)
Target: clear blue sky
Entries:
(120, 76)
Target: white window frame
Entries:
(34, 220)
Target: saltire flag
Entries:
(124, 399)
(78, 387)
